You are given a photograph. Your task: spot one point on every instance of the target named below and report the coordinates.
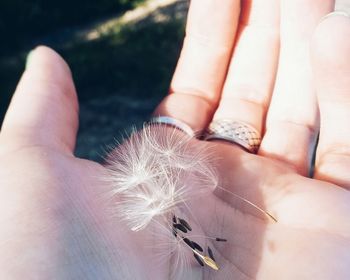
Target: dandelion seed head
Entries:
(154, 171)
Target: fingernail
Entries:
(29, 58)
(336, 13)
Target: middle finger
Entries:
(251, 75)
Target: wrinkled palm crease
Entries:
(153, 174)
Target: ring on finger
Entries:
(169, 121)
(235, 132)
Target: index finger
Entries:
(201, 70)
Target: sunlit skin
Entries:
(54, 226)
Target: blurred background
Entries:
(122, 54)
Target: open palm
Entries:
(310, 239)
(55, 226)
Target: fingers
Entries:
(331, 65)
(202, 66)
(44, 108)
(252, 71)
(292, 121)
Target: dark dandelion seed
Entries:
(188, 242)
(210, 252)
(180, 227)
(220, 239)
(197, 246)
(174, 232)
(174, 219)
(185, 224)
(198, 259)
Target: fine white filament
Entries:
(154, 171)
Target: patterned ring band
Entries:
(235, 132)
(174, 123)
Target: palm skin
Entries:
(54, 225)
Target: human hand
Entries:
(270, 82)
(53, 227)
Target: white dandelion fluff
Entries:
(152, 174)
(154, 171)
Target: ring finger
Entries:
(292, 120)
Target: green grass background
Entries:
(120, 76)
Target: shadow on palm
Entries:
(309, 228)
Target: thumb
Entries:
(44, 108)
